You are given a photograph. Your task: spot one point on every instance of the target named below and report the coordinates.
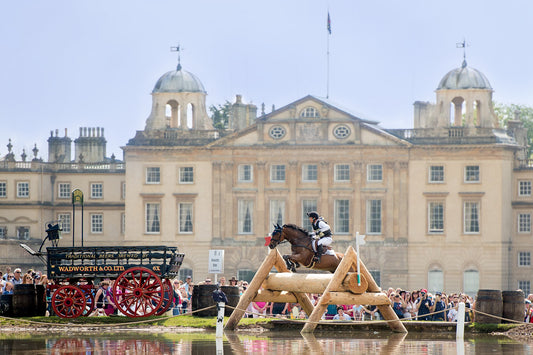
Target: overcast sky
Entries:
(70, 64)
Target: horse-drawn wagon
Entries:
(142, 277)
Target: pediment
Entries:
(311, 121)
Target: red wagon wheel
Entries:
(69, 302)
(138, 292)
(168, 295)
(90, 304)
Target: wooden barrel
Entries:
(202, 297)
(24, 300)
(233, 295)
(488, 301)
(40, 301)
(6, 305)
(513, 305)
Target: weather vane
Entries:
(463, 45)
(178, 49)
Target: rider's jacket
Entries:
(321, 228)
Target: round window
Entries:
(277, 132)
(341, 131)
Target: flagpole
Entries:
(327, 55)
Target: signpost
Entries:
(216, 262)
(359, 240)
(77, 196)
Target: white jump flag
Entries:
(359, 240)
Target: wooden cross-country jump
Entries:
(338, 288)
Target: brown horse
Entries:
(302, 249)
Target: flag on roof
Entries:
(329, 24)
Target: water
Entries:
(266, 343)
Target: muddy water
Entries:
(265, 343)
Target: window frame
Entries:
(370, 223)
(524, 219)
(307, 172)
(342, 226)
(242, 173)
(278, 169)
(339, 173)
(245, 203)
(524, 188)
(95, 230)
(467, 174)
(25, 191)
(478, 215)
(310, 112)
(3, 189)
(61, 191)
(185, 174)
(97, 193)
(371, 171)
(308, 205)
(431, 215)
(275, 204)
(60, 219)
(524, 259)
(152, 175)
(148, 221)
(432, 174)
(181, 224)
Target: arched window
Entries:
(457, 109)
(477, 113)
(471, 282)
(190, 116)
(309, 112)
(172, 113)
(435, 280)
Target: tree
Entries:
(220, 115)
(506, 112)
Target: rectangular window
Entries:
(524, 223)
(23, 233)
(153, 175)
(436, 173)
(3, 189)
(152, 218)
(23, 189)
(375, 172)
(277, 173)
(97, 190)
(186, 175)
(525, 285)
(308, 206)
(123, 190)
(342, 172)
(63, 190)
(186, 217)
(436, 217)
(3, 232)
(471, 217)
(277, 212)
(97, 223)
(246, 216)
(123, 223)
(524, 258)
(64, 222)
(472, 173)
(245, 173)
(342, 216)
(309, 172)
(373, 217)
(524, 188)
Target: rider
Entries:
(323, 231)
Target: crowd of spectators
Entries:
(415, 305)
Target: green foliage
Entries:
(220, 115)
(490, 328)
(506, 112)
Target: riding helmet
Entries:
(313, 214)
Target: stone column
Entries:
(262, 210)
(292, 177)
(357, 204)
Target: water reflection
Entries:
(271, 343)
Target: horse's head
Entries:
(276, 236)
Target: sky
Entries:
(70, 64)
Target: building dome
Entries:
(464, 78)
(178, 80)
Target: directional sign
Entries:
(360, 239)
(216, 262)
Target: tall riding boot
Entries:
(319, 251)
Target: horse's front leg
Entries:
(291, 264)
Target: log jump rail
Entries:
(338, 288)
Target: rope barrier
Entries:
(105, 325)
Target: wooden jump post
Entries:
(338, 288)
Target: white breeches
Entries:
(326, 241)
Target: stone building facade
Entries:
(446, 205)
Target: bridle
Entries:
(277, 230)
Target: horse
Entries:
(302, 249)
